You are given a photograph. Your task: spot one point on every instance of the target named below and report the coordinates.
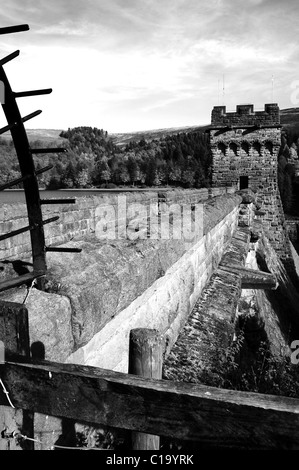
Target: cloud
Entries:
(120, 62)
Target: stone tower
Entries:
(245, 146)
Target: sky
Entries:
(133, 65)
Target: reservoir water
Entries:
(10, 196)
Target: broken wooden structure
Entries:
(177, 410)
(15, 124)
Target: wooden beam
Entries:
(14, 29)
(14, 333)
(22, 94)
(61, 249)
(19, 281)
(48, 150)
(145, 360)
(14, 330)
(252, 278)
(174, 409)
(9, 57)
(59, 201)
(27, 166)
(24, 178)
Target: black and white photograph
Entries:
(149, 228)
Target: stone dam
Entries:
(194, 290)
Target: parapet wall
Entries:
(80, 219)
(246, 115)
(166, 304)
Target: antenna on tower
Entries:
(218, 91)
(223, 89)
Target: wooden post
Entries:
(14, 332)
(146, 360)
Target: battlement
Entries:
(246, 116)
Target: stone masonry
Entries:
(245, 146)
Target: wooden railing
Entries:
(185, 411)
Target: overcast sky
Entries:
(125, 65)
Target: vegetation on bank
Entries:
(93, 160)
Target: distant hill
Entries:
(126, 137)
(45, 135)
(289, 118)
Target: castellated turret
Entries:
(245, 146)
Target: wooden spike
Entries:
(9, 57)
(27, 228)
(14, 29)
(32, 115)
(63, 250)
(52, 219)
(18, 281)
(252, 278)
(16, 232)
(22, 94)
(58, 201)
(7, 128)
(42, 170)
(13, 182)
(23, 178)
(48, 150)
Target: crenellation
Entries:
(246, 115)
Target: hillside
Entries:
(44, 135)
(289, 118)
(125, 138)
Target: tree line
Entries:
(94, 160)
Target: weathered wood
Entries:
(59, 201)
(9, 57)
(173, 409)
(19, 281)
(14, 328)
(14, 233)
(145, 360)
(252, 278)
(23, 178)
(7, 128)
(14, 333)
(14, 29)
(42, 170)
(31, 115)
(23, 94)
(48, 150)
(26, 164)
(61, 249)
(13, 182)
(28, 228)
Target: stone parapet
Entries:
(246, 116)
